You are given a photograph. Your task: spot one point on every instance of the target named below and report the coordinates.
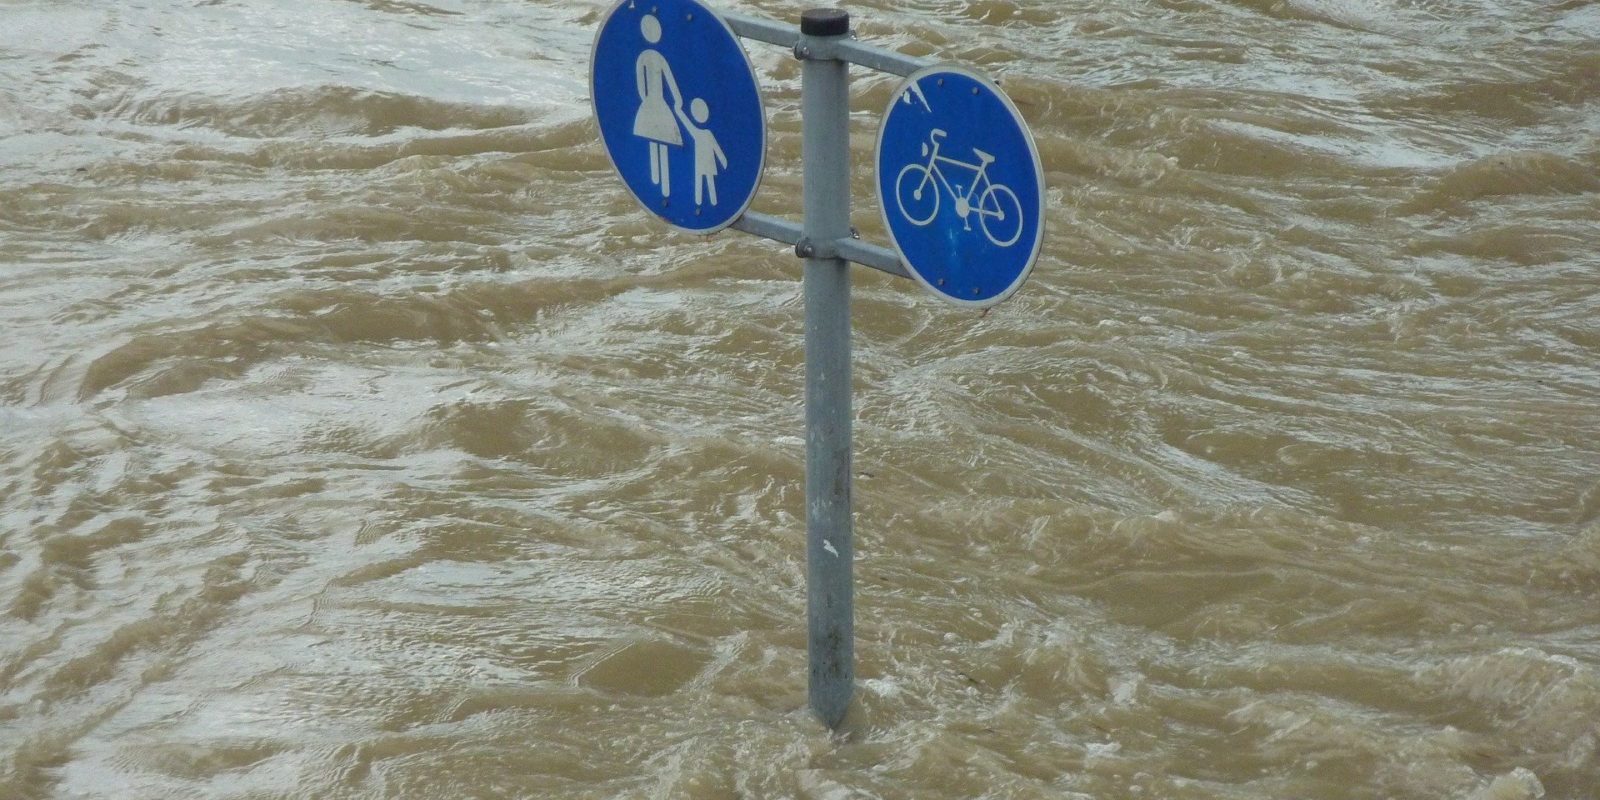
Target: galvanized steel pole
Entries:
(825, 143)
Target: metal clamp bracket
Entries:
(806, 248)
(852, 249)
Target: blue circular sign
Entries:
(960, 185)
(679, 111)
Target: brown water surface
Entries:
(361, 438)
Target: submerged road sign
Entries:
(679, 111)
(960, 185)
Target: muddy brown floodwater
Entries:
(361, 438)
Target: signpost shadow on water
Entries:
(959, 182)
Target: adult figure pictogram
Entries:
(657, 121)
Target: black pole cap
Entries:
(825, 22)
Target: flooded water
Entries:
(361, 438)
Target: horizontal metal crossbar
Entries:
(840, 48)
(822, 48)
(854, 250)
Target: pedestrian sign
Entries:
(960, 185)
(679, 111)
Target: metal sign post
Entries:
(825, 148)
(657, 81)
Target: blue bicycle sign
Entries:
(960, 185)
(997, 208)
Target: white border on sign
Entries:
(1038, 168)
(761, 101)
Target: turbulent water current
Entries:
(361, 437)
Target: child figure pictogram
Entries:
(708, 156)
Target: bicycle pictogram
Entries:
(916, 190)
